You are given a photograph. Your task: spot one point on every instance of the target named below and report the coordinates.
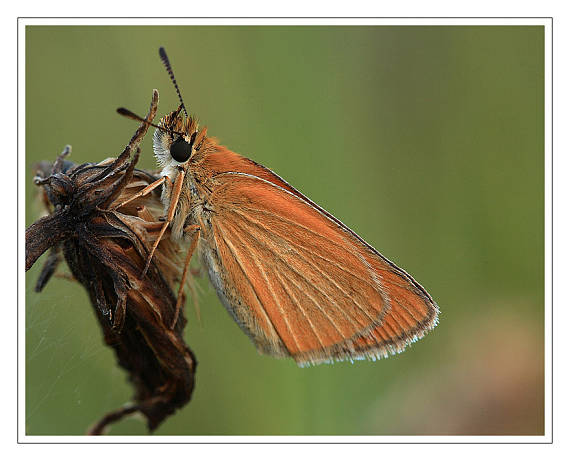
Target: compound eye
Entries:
(180, 150)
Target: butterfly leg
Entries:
(143, 192)
(195, 237)
(176, 190)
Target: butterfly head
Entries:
(174, 140)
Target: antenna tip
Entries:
(162, 52)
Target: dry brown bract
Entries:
(106, 250)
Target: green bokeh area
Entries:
(427, 141)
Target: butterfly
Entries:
(297, 281)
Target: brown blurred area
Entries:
(492, 383)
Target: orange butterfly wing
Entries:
(298, 281)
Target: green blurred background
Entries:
(427, 141)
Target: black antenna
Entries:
(127, 113)
(166, 62)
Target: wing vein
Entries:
(409, 312)
(324, 294)
(240, 265)
(323, 273)
(286, 237)
(297, 303)
(318, 306)
(264, 275)
(317, 288)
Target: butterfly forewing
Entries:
(299, 282)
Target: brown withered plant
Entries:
(106, 250)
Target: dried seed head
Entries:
(106, 246)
